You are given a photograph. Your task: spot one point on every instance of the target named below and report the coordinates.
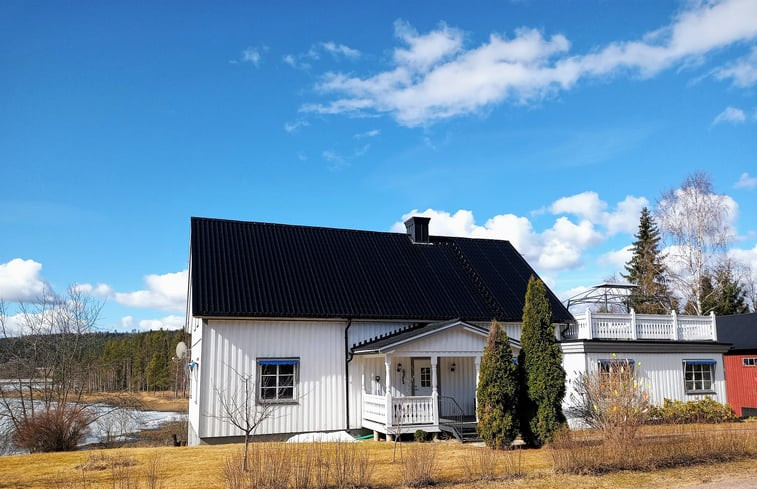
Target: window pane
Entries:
(268, 369)
(286, 381)
(286, 369)
(268, 393)
(286, 393)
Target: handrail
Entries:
(456, 418)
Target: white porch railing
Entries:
(374, 408)
(642, 327)
(415, 410)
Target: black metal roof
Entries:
(253, 269)
(739, 330)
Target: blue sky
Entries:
(547, 123)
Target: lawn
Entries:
(180, 467)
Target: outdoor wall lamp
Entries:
(399, 367)
(453, 367)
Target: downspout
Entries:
(347, 359)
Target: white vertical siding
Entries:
(664, 374)
(460, 384)
(362, 331)
(195, 359)
(230, 344)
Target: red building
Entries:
(740, 361)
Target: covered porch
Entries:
(422, 379)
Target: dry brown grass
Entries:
(204, 467)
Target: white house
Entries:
(346, 329)
(679, 357)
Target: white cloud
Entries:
(588, 205)
(168, 322)
(747, 258)
(100, 290)
(167, 292)
(617, 258)
(20, 280)
(745, 181)
(742, 72)
(557, 248)
(253, 55)
(340, 49)
(730, 114)
(295, 125)
(303, 61)
(435, 77)
(367, 134)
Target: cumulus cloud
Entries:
(557, 248)
(167, 292)
(21, 281)
(434, 76)
(616, 258)
(294, 126)
(587, 205)
(730, 114)
(747, 258)
(746, 181)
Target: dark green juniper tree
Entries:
(647, 270)
(497, 391)
(541, 373)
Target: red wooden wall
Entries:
(740, 382)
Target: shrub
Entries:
(578, 453)
(700, 411)
(612, 401)
(542, 377)
(420, 436)
(497, 391)
(54, 429)
(419, 466)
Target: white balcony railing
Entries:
(611, 326)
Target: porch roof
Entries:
(403, 337)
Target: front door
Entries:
(421, 375)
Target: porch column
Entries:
(388, 386)
(434, 390)
(477, 361)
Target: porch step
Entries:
(464, 432)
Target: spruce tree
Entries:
(647, 270)
(542, 376)
(497, 392)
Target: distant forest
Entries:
(116, 361)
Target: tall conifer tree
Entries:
(542, 375)
(647, 270)
(497, 392)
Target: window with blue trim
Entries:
(698, 376)
(277, 379)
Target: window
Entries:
(616, 366)
(277, 380)
(698, 375)
(425, 377)
(750, 362)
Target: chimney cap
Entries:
(417, 229)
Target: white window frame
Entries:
(749, 361)
(265, 364)
(698, 368)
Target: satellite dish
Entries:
(181, 350)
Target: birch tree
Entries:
(696, 222)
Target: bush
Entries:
(612, 401)
(55, 429)
(419, 466)
(497, 391)
(699, 411)
(579, 453)
(420, 436)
